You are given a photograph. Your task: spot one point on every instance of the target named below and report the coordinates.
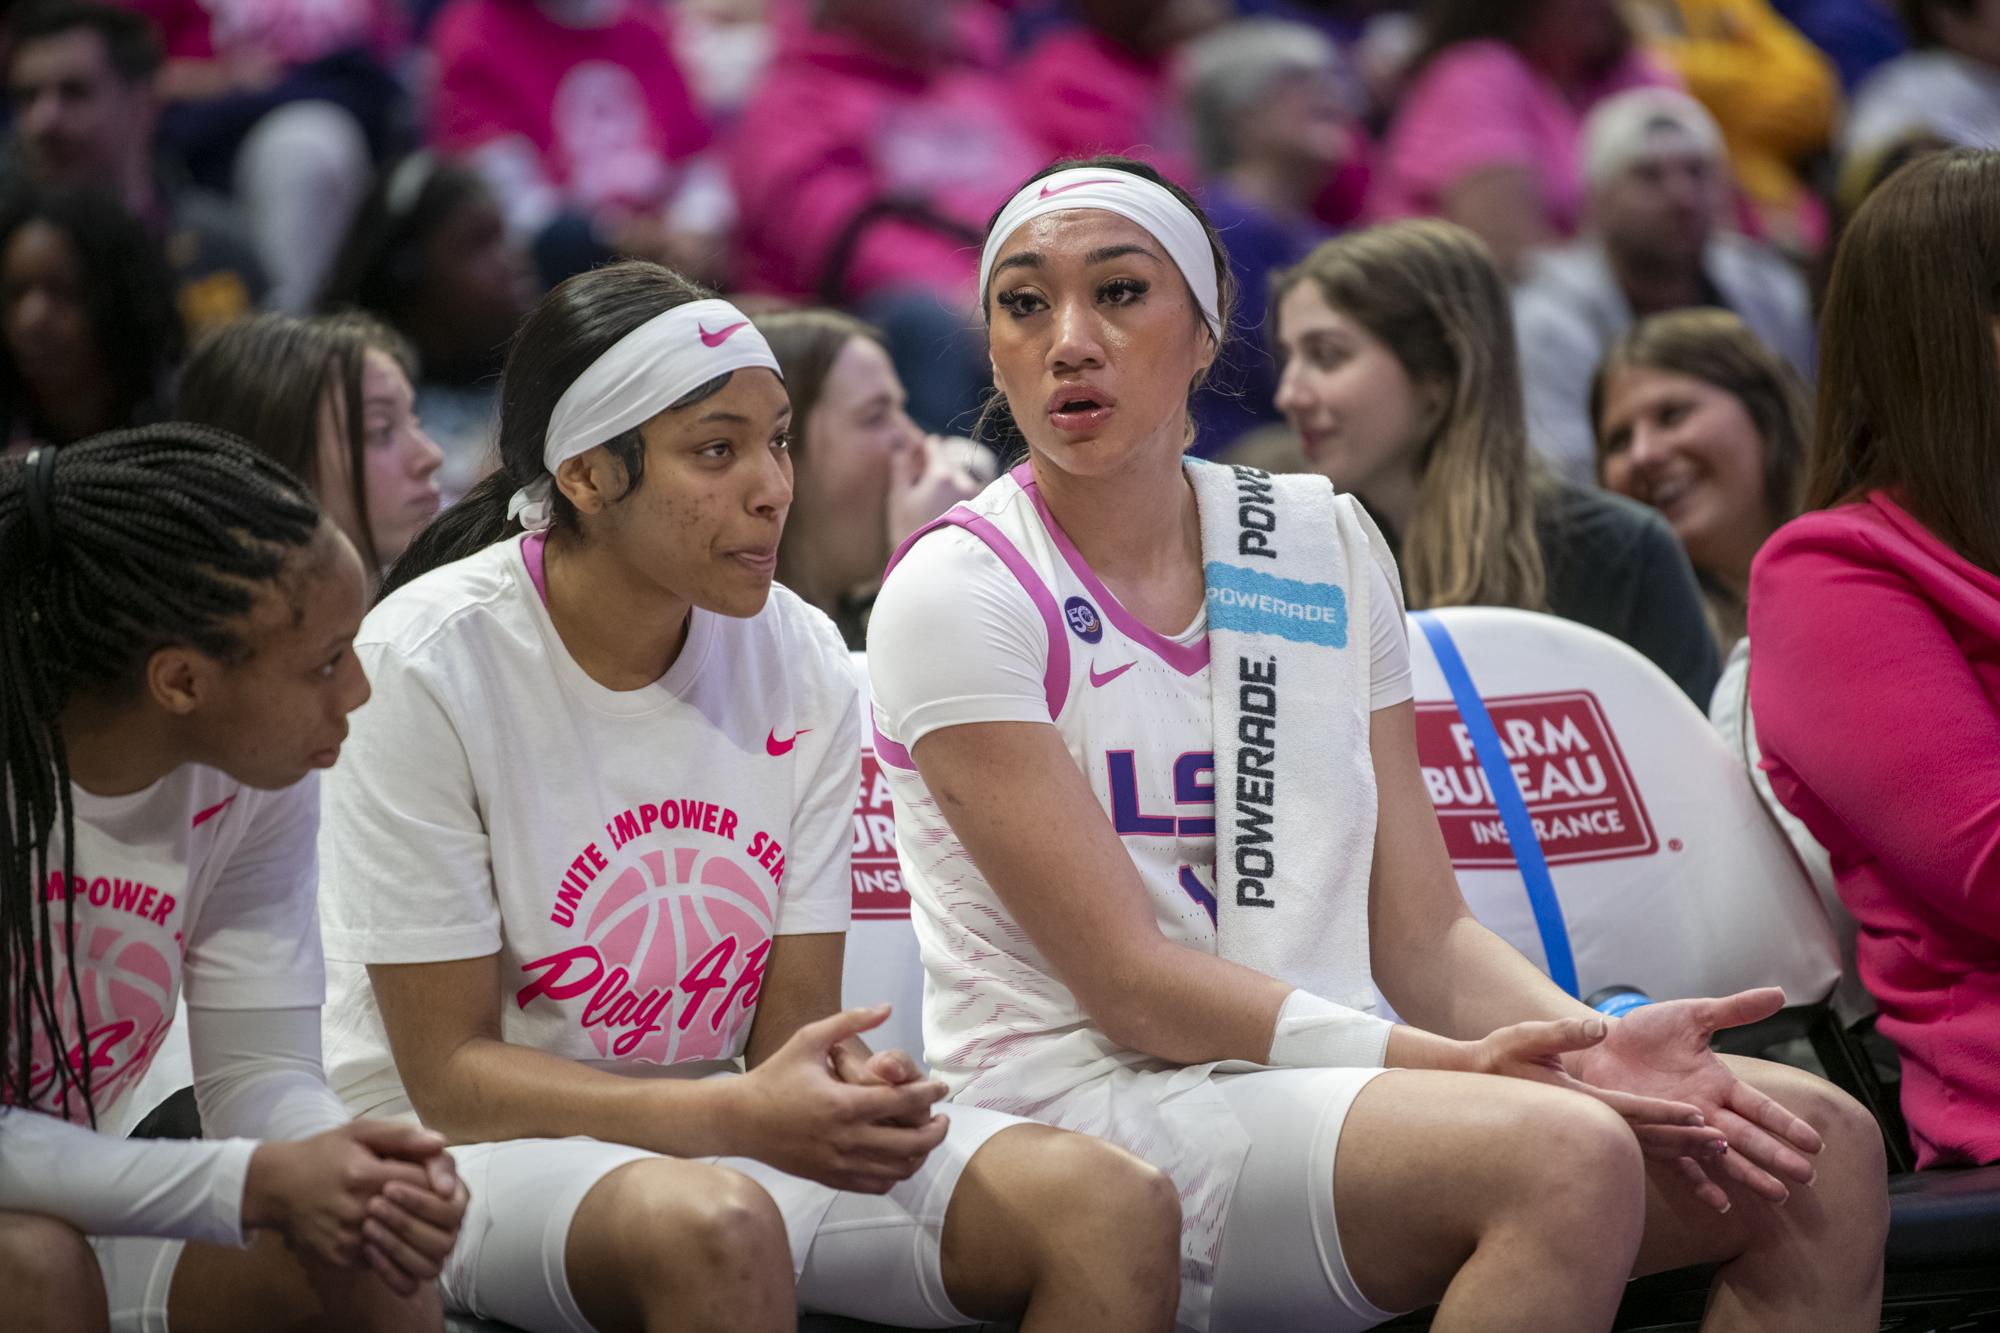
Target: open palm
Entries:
(1661, 1051)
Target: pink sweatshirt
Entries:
(837, 128)
(605, 108)
(1082, 94)
(1479, 104)
(1875, 685)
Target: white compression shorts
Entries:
(1281, 1264)
(873, 1257)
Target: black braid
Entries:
(156, 537)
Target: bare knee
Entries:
(50, 1275)
(1089, 1186)
(708, 1222)
(1851, 1168)
(1588, 1170)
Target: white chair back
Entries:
(1669, 875)
(882, 962)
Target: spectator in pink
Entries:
(1490, 133)
(286, 104)
(1875, 634)
(577, 115)
(1107, 84)
(866, 169)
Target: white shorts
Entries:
(870, 1256)
(1281, 1264)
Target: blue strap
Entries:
(1521, 838)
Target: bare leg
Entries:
(1514, 1205)
(1811, 1263)
(666, 1246)
(50, 1276)
(220, 1290)
(1063, 1231)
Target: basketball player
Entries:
(590, 845)
(1040, 666)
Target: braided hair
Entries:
(110, 549)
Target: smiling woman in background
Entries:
(1698, 418)
(330, 398)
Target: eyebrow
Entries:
(737, 418)
(1033, 259)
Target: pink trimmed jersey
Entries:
(992, 615)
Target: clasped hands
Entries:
(1684, 1103)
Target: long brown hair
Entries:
(1429, 292)
(1718, 348)
(1909, 384)
(265, 379)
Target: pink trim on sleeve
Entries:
(1055, 676)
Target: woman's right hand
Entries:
(317, 1192)
(794, 1113)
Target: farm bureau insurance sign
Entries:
(878, 878)
(1580, 794)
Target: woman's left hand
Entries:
(1661, 1051)
(931, 475)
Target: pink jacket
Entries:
(1875, 684)
(1082, 94)
(837, 129)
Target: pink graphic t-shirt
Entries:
(628, 854)
(196, 882)
(605, 108)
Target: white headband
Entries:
(644, 373)
(1131, 197)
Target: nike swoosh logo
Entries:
(1047, 193)
(210, 813)
(718, 338)
(775, 747)
(1109, 676)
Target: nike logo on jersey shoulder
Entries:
(1099, 681)
(776, 748)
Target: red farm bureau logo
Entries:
(878, 878)
(1580, 794)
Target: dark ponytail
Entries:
(576, 323)
(110, 549)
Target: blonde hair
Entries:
(1429, 292)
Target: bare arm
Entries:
(1504, 205)
(443, 1021)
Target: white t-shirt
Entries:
(199, 882)
(957, 637)
(629, 854)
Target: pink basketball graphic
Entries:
(127, 987)
(681, 939)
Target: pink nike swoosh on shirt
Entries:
(719, 337)
(210, 813)
(1047, 193)
(1109, 676)
(775, 747)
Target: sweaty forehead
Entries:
(1073, 233)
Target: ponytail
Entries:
(110, 549)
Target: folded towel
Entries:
(1286, 564)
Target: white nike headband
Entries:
(640, 376)
(1132, 197)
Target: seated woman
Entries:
(1876, 679)
(1092, 916)
(175, 626)
(591, 846)
(863, 476)
(329, 398)
(1401, 379)
(87, 319)
(1698, 418)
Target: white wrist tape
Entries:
(1318, 1034)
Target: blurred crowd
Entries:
(318, 222)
